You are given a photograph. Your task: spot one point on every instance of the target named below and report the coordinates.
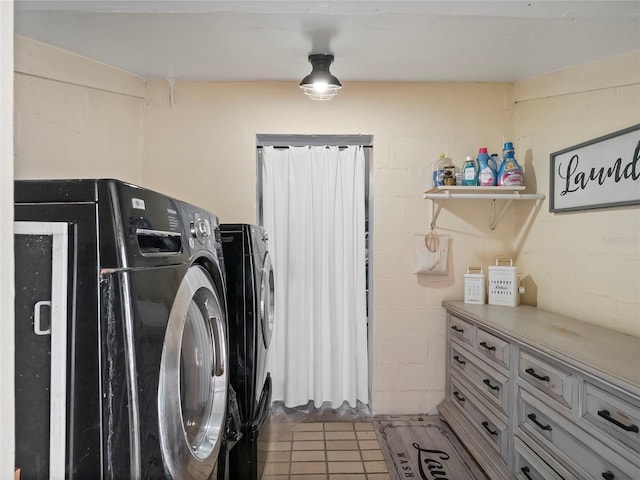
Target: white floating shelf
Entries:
(508, 193)
(484, 193)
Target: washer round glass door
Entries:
(192, 390)
(267, 300)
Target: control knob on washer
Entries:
(200, 228)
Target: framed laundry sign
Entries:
(600, 173)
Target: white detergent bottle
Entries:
(438, 171)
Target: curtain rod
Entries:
(339, 146)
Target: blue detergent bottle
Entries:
(509, 173)
(469, 172)
(486, 169)
(438, 171)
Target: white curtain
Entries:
(313, 210)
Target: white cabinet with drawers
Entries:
(554, 381)
(489, 383)
(535, 395)
(615, 416)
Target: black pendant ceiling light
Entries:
(320, 84)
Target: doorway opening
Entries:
(303, 205)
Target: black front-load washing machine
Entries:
(121, 342)
(250, 296)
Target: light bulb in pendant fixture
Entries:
(320, 84)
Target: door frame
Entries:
(365, 141)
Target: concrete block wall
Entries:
(200, 147)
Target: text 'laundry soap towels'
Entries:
(432, 253)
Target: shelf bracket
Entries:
(495, 219)
(434, 213)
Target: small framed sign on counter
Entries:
(604, 172)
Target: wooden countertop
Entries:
(610, 355)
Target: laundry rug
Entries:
(424, 448)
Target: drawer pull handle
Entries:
(533, 418)
(607, 416)
(525, 472)
(487, 382)
(458, 396)
(457, 359)
(457, 329)
(488, 347)
(608, 475)
(533, 373)
(486, 427)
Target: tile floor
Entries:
(323, 451)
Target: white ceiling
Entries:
(372, 40)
